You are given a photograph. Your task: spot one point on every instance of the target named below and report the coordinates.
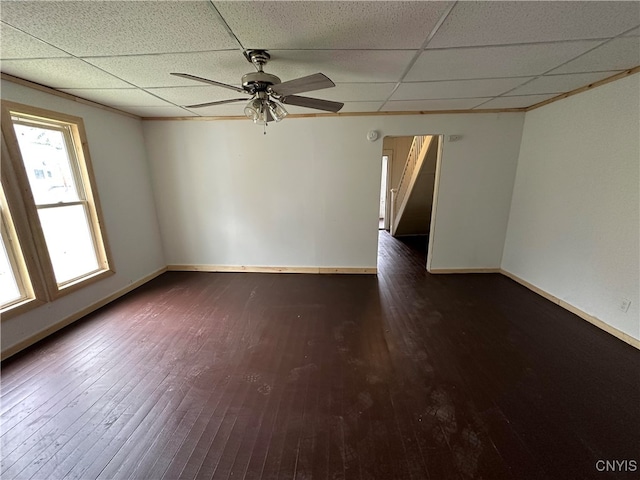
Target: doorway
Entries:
(408, 191)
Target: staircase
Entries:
(411, 203)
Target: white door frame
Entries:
(434, 205)
(387, 201)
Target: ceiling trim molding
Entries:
(599, 83)
(66, 96)
(349, 114)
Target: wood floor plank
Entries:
(58, 412)
(252, 376)
(264, 445)
(235, 459)
(273, 354)
(83, 433)
(203, 396)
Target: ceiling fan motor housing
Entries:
(259, 81)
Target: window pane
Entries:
(71, 247)
(46, 162)
(9, 290)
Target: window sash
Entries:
(94, 245)
(67, 135)
(14, 267)
(15, 257)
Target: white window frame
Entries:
(77, 146)
(16, 259)
(19, 244)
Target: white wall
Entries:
(307, 193)
(120, 165)
(574, 222)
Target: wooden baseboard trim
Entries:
(634, 342)
(262, 269)
(348, 270)
(464, 270)
(78, 315)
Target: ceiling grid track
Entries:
(423, 47)
(226, 25)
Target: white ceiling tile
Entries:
(516, 101)
(355, 92)
(118, 28)
(195, 94)
(495, 23)
(619, 54)
(153, 70)
(343, 25)
(489, 87)
(559, 83)
(117, 96)
(341, 66)
(427, 105)
(16, 44)
(489, 62)
(62, 73)
(159, 111)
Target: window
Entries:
(63, 209)
(18, 269)
(15, 284)
(50, 163)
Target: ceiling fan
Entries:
(268, 93)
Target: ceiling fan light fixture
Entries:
(255, 110)
(278, 112)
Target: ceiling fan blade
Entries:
(316, 103)
(317, 81)
(219, 102)
(210, 82)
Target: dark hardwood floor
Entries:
(405, 375)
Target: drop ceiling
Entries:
(383, 56)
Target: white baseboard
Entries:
(262, 269)
(12, 350)
(634, 342)
(464, 270)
